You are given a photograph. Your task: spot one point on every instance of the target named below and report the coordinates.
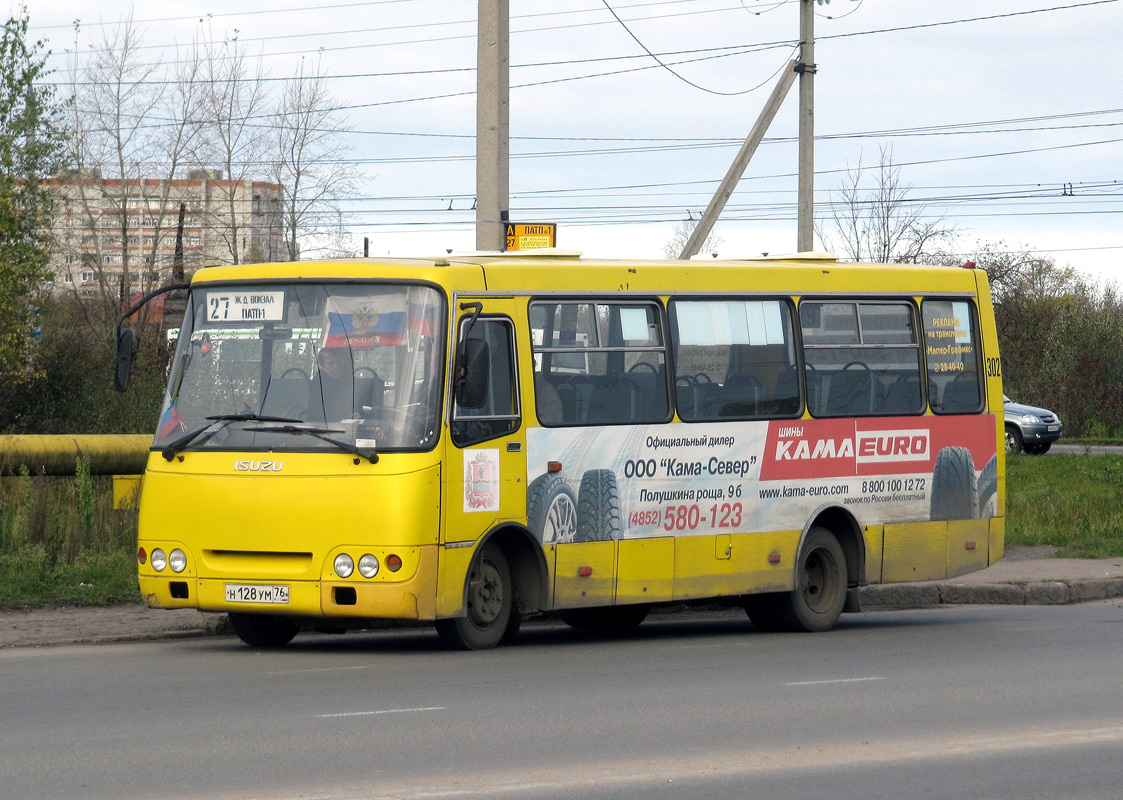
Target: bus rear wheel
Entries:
(490, 616)
(820, 591)
(263, 630)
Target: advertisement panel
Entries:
(654, 480)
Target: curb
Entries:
(935, 593)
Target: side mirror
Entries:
(124, 362)
(473, 371)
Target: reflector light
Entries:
(970, 545)
(393, 563)
(584, 572)
(553, 466)
(774, 557)
(142, 556)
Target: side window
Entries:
(499, 414)
(862, 358)
(734, 359)
(599, 363)
(951, 350)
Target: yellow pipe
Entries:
(110, 454)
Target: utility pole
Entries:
(805, 224)
(493, 126)
(737, 169)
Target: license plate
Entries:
(1054, 428)
(256, 593)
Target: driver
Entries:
(333, 393)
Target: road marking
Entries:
(315, 669)
(382, 711)
(836, 680)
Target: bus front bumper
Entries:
(411, 599)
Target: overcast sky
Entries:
(1005, 117)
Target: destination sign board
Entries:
(531, 235)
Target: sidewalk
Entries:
(1026, 576)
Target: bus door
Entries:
(485, 459)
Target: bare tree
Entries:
(882, 224)
(110, 116)
(132, 125)
(681, 235)
(310, 166)
(233, 97)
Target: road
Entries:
(1086, 449)
(949, 703)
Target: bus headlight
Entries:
(344, 565)
(368, 566)
(159, 559)
(177, 560)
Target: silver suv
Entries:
(1030, 428)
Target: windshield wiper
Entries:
(362, 452)
(170, 450)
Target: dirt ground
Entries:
(41, 627)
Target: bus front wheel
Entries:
(262, 630)
(490, 616)
(820, 591)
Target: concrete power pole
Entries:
(493, 125)
(805, 224)
(737, 169)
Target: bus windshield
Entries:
(305, 366)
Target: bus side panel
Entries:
(732, 564)
(915, 551)
(646, 569)
(968, 545)
(584, 574)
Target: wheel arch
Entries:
(845, 528)
(527, 563)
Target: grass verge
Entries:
(63, 543)
(1074, 502)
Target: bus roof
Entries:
(558, 270)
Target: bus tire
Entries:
(487, 603)
(551, 509)
(614, 619)
(263, 630)
(988, 489)
(598, 507)
(820, 586)
(954, 492)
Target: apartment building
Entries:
(157, 229)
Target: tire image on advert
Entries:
(954, 489)
(551, 509)
(598, 507)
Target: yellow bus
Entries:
(477, 439)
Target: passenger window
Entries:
(951, 350)
(599, 363)
(499, 414)
(862, 358)
(734, 359)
